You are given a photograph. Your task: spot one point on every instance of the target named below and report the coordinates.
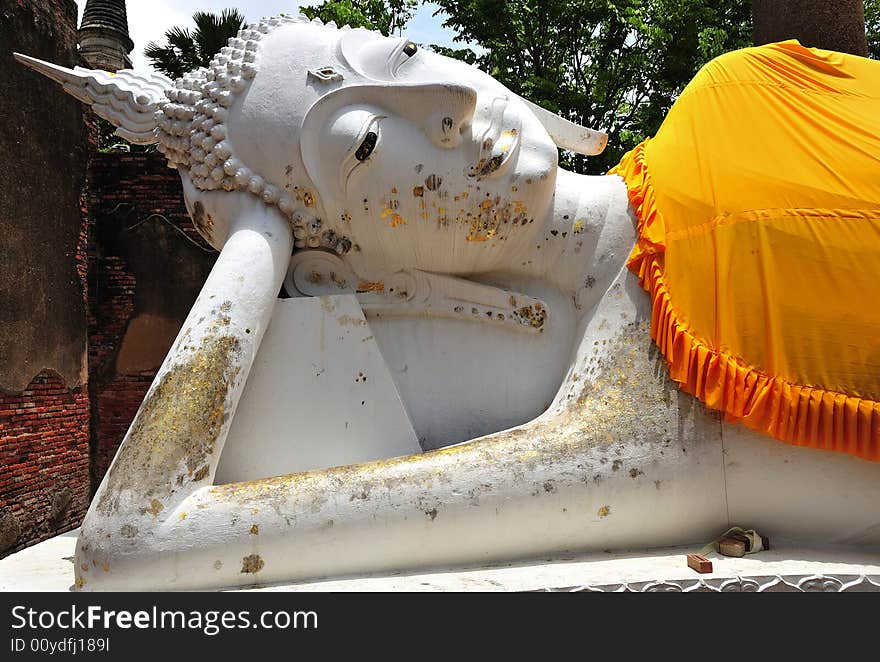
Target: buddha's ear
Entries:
(568, 135)
(127, 99)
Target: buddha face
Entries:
(417, 159)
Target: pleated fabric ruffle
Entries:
(794, 413)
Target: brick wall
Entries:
(138, 258)
(44, 407)
(44, 487)
(108, 265)
(147, 264)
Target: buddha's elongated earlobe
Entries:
(568, 135)
(127, 99)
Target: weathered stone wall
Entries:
(837, 25)
(147, 264)
(44, 480)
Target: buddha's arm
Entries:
(174, 443)
(579, 477)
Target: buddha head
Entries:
(384, 153)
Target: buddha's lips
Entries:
(497, 143)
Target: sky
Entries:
(149, 19)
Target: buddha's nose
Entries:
(443, 110)
(448, 122)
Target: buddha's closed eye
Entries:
(367, 146)
(363, 145)
(402, 54)
(375, 57)
(348, 140)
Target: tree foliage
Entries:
(108, 141)
(387, 16)
(186, 50)
(872, 27)
(616, 65)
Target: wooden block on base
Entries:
(699, 563)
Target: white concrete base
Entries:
(49, 567)
(43, 568)
(308, 403)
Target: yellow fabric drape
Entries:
(758, 205)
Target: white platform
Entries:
(49, 567)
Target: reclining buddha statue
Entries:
(482, 357)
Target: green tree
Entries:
(186, 50)
(387, 16)
(872, 27)
(108, 141)
(616, 65)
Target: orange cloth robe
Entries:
(758, 205)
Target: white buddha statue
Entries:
(463, 372)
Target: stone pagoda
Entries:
(103, 35)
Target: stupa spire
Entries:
(103, 35)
